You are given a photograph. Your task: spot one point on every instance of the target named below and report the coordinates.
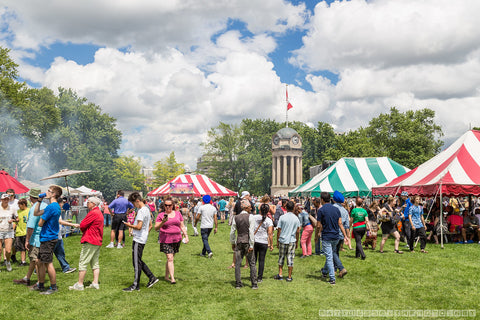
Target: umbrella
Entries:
(9, 182)
(64, 173)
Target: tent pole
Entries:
(441, 217)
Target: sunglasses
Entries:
(169, 205)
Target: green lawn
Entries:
(443, 279)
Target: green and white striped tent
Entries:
(351, 176)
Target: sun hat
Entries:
(34, 192)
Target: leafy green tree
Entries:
(129, 168)
(166, 169)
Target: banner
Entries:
(179, 188)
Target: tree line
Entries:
(239, 155)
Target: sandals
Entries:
(381, 251)
(423, 251)
(398, 251)
(278, 277)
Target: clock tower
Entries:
(286, 161)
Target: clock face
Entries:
(295, 140)
(276, 140)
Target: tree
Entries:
(129, 168)
(166, 169)
(409, 138)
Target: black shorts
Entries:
(45, 254)
(20, 243)
(117, 221)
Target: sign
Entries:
(178, 188)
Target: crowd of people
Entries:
(33, 227)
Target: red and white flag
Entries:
(289, 105)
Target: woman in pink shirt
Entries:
(170, 224)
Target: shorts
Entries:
(170, 247)
(46, 251)
(287, 250)
(33, 252)
(20, 243)
(7, 235)
(90, 254)
(117, 219)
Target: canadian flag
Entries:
(289, 105)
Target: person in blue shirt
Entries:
(415, 216)
(48, 238)
(121, 207)
(222, 205)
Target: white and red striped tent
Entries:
(454, 171)
(202, 185)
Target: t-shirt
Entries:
(170, 232)
(143, 214)
(417, 212)
(328, 216)
(304, 219)
(289, 224)
(345, 219)
(120, 205)
(21, 229)
(359, 215)
(14, 205)
(262, 234)
(208, 212)
(51, 227)
(6, 215)
(470, 219)
(32, 223)
(222, 204)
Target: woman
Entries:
(306, 222)
(170, 224)
(271, 211)
(263, 238)
(229, 212)
(359, 223)
(371, 238)
(7, 217)
(415, 216)
(386, 217)
(92, 235)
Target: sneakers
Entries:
(152, 282)
(254, 287)
(23, 264)
(131, 289)
(70, 270)
(289, 279)
(278, 277)
(49, 291)
(35, 287)
(9, 266)
(111, 245)
(210, 254)
(342, 273)
(332, 282)
(239, 286)
(94, 286)
(324, 275)
(22, 281)
(259, 280)
(119, 246)
(77, 287)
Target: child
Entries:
(130, 220)
(21, 230)
(141, 227)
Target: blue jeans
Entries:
(336, 257)
(328, 248)
(59, 252)
(106, 219)
(205, 232)
(318, 247)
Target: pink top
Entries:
(170, 232)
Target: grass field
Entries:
(443, 279)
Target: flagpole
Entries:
(286, 105)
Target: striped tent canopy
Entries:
(202, 185)
(351, 176)
(454, 171)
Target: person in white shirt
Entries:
(208, 213)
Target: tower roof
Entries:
(286, 133)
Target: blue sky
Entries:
(170, 71)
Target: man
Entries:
(279, 211)
(238, 205)
(196, 206)
(329, 220)
(407, 228)
(120, 207)
(208, 213)
(288, 230)
(32, 241)
(244, 224)
(48, 238)
(470, 225)
(21, 230)
(92, 235)
(337, 264)
(415, 217)
(317, 203)
(13, 203)
(141, 227)
(222, 207)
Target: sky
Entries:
(168, 71)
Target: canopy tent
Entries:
(351, 176)
(85, 191)
(9, 182)
(202, 185)
(454, 171)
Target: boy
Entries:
(141, 227)
(48, 239)
(21, 230)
